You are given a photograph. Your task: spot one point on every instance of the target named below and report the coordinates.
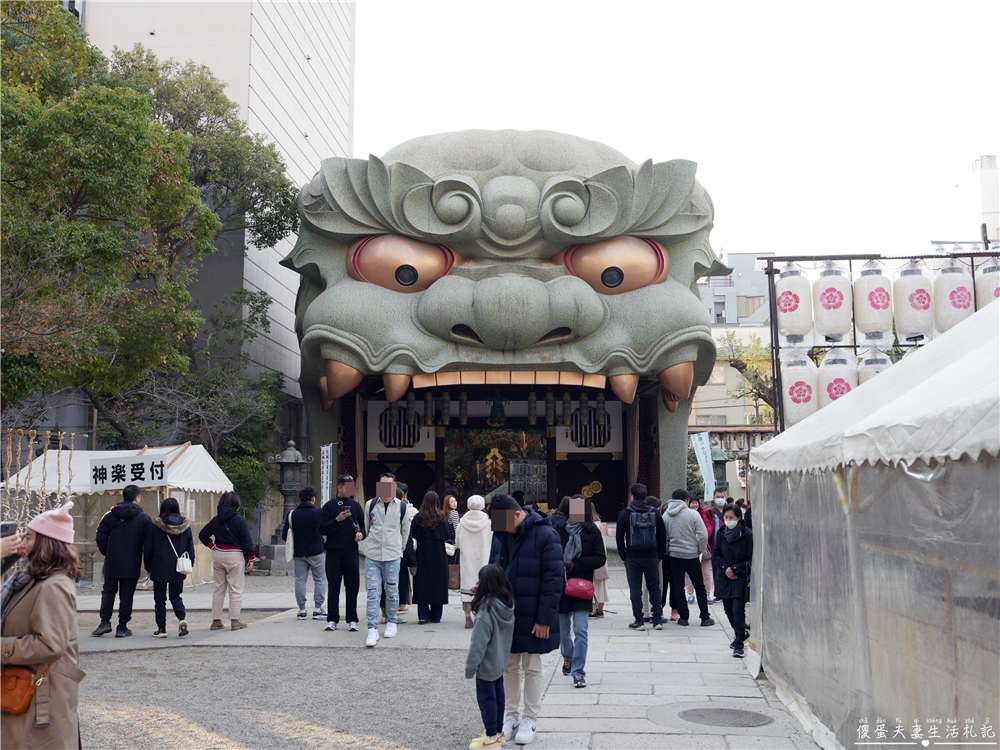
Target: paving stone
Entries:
(591, 688)
(625, 678)
(615, 699)
(657, 742)
(579, 698)
(743, 742)
(624, 711)
(692, 690)
(637, 725)
(557, 741)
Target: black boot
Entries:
(104, 627)
(122, 632)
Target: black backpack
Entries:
(403, 505)
(642, 527)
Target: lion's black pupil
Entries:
(612, 277)
(407, 275)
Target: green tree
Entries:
(695, 481)
(753, 363)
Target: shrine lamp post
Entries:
(293, 466)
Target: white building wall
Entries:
(290, 67)
(301, 92)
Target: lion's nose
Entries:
(510, 312)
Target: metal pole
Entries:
(778, 388)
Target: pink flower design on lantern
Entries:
(831, 299)
(996, 292)
(879, 298)
(788, 302)
(961, 298)
(801, 393)
(838, 388)
(920, 300)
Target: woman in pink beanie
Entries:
(39, 631)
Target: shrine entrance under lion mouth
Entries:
(483, 440)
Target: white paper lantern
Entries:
(831, 294)
(794, 303)
(872, 363)
(838, 376)
(988, 283)
(800, 381)
(873, 303)
(953, 290)
(912, 303)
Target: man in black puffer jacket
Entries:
(527, 547)
(120, 537)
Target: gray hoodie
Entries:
(686, 535)
(492, 636)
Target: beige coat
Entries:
(40, 628)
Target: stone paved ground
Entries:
(287, 684)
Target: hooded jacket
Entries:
(228, 530)
(159, 557)
(623, 536)
(492, 636)
(736, 554)
(120, 537)
(474, 539)
(687, 538)
(532, 559)
(384, 538)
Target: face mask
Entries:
(731, 524)
(720, 501)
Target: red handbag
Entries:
(579, 588)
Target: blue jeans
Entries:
(573, 646)
(430, 612)
(491, 705)
(378, 573)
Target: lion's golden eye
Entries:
(399, 263)
(617, 266)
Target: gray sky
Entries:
(817, 128)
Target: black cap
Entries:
(344, 478)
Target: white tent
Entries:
(941, 401)
(876, 570)
(195, 480)
(190, 468)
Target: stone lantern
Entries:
(293, 472)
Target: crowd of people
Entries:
(529, 582)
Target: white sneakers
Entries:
(526, 732)
(372, 637)
(330, 626)
(509, 725)
(352, 627)
(390, 630)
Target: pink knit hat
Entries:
(56, 523)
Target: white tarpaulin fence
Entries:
(876, 563)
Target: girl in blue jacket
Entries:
(489, 650)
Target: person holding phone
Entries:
(342, 522)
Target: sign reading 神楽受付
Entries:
(115, 473)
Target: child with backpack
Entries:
(489, 651)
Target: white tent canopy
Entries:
(941, 401)
(191, 468)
